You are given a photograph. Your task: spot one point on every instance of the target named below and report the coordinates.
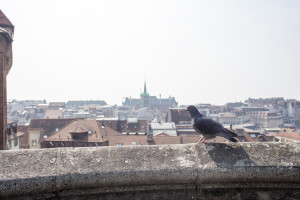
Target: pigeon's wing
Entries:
(196, 129)
(208, 126)
(231, 133)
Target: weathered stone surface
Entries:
(27, 171)
(204, 171)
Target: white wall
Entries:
(34, 139)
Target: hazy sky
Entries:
(197, 51)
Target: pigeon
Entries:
(208, 127)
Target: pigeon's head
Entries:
(194, 112)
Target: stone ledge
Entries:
(172, 171)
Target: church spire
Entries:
(145, 93)
(145, 88)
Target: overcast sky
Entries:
(197, 51)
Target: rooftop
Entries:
(4, 20)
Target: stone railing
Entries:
(203, 171)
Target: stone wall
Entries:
(203, 171)
(3, 109)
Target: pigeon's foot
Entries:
(204, 141)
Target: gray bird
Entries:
(208, 127)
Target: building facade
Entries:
(6, 38)
(151, 102)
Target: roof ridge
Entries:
(51, 134)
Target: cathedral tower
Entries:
(145, 98)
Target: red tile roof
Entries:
(291, 135)
(48, 126)
(96, 133)
(4, 20)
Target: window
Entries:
(75, 137)
(33, 143)
(119, 144)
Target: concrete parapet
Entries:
(203, 171)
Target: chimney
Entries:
(230, 127)
(150, 137)
(14, 128)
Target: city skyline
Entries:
(244, 101)
(198, 52)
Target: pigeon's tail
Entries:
(231, 135)
(232, 139)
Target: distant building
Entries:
(53, 114)
(82, 114)
(151, 102)
(13, 136)
(252, 110)
(294, 111)
(228, 118)
(261, 102)
(165, 128)
(40, 129)
(81, 104)
(267, 119)
(183, 121)
(178, 116)
(30, 102)
(131, 126)
(234, 105)
(40, 110)
(287, 136)
(57, 105)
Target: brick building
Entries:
(6, 38)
